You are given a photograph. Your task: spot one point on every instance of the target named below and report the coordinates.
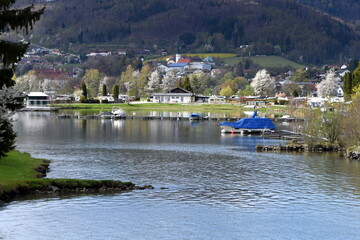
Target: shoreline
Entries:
(30, 180)
(208, 107)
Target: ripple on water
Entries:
(217, 187)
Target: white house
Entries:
(37, 99)
(339, 92)
(162, 68)
(200, 66)
(99, 54)
(337, 100)
(209, 60)
(315, 102)
(178, 66)
(176, 95)
(217, 99)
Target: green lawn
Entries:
(17, 168)
(266, 61)
(152, 106)
(173, 107)
(18, 176)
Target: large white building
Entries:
(176, 95)
(37, 99)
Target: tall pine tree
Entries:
(11, 19)
(348, 84)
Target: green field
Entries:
(266, 61)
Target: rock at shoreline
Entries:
(354, 155)
(300, 148)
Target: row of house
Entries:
(187, 64)
(137, 52)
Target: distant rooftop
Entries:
(177, 65)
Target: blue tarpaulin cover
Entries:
(194, 115)
(251, 123)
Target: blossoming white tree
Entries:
(329, 85)
(263, 84)
(168, 81)
(153, 84)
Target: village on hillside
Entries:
(173, 79)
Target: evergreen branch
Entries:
(11, 52)
(5, 4)
(19, 18)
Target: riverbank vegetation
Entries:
(20, 174)
(338, 124)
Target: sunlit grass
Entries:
(17, 168)
(266, 61)
(21, 174)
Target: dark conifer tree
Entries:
(186, 84)
(84, 90)
(104, 90)
(12, 19)
(116, 91)
(347, 86)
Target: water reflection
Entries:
(211, 181)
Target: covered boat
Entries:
(194, 116)
(251, 124)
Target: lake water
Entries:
(216, 186)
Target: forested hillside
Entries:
(282, 27)
(346, 9)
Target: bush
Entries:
(282, 102)
(90, 101)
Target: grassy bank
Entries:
(172, 107)
(20, 174)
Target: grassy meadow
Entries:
(266, 61)
(232, 59)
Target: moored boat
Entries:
(252, 124)
(194, 116)
(115, 113)
(118, 112)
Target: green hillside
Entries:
(269, 27)
(266, 61)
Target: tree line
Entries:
(280, 27)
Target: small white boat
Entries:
(118, 112)
(106, 115)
